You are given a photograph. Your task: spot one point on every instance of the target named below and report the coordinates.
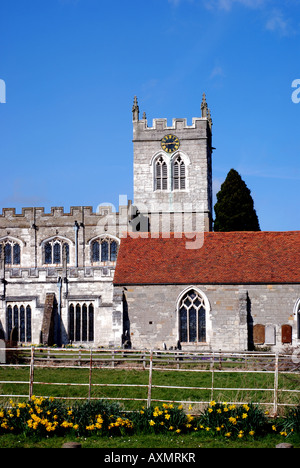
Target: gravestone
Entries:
(270, 335)
(286, 333)
(259, 332)
(2, 352)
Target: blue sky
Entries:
(72, 68)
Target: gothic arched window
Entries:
(11, 252)
(179, 174)
(81, 322)
(104, 249)
(161, 174)
(192, 318)
(18, 321)
(8, 254)
(54, 251)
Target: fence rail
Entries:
(156, 363)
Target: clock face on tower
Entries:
(170, 143)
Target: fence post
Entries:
(212, 367)
(144, 362)
(150, 379)
(113, 359)
(276, 384)
(220, 359)
(31, 376)
(90, 374)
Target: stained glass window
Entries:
(81, 322)
(22, 323)
(104, 250)
(57, 253)
(16, 254)
(84, 323)
(9, 321)
(96, 251)
(53, 252)
(7, 254)
(192, 318)
(91, 322)
(28, 324)
(113, 251)
(11, 252)
(18, 321)
(48, 254)
(71, 322)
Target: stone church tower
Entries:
(173, 173)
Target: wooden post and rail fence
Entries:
(153, 362)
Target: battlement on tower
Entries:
(177, 124)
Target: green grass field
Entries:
(191, 441)
(123, 379)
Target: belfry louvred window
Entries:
(179, 174)
(161, 174)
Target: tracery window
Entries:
(18, 322)
(53, 252)
(179, 174)
(11, 252)
(161, 174)
(192, 318)
(104, 250)
(81, 322)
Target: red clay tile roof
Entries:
(224, 258)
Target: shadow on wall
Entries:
(250, 326)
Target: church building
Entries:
(154, 275)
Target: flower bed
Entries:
(44, 417)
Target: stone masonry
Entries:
(189, 209)
(81, 281)
(234, 311)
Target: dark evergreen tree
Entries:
(234, 210)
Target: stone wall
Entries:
(81, 281)
(33, 226)
(233, 313)
(81, 287)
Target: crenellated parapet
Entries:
(30, 213)
(199, 124)
(36, 239)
